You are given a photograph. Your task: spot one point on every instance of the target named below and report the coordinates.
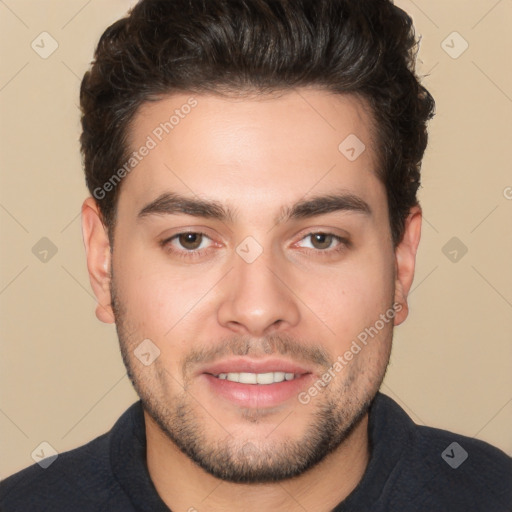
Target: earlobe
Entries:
(97, 249)
(405, 262)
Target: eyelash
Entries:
(166, 244)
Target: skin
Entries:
(299, 299)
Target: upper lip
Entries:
(247, 365)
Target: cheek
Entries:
(164, 301)
(149, 290)
(354, 295)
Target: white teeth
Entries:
(247, 378)
(257, 378)
(278, 376)
(265, 378)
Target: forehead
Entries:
(271, 147)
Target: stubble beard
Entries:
(337, 411)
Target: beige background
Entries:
(62, 378)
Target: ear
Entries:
(97, 249)
(405, 262)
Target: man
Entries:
(252, 231)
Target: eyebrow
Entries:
(174, 204)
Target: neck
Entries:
(183, 485)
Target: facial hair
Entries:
(336, 412)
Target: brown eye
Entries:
(190, 241)
(321, 240)
(189, 245)
(324, 244)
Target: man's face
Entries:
(261, 294)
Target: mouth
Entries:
(264, 379)
(253, 383)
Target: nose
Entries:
(256, 299)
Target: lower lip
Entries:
(258, 395)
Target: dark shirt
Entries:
(411, 468)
